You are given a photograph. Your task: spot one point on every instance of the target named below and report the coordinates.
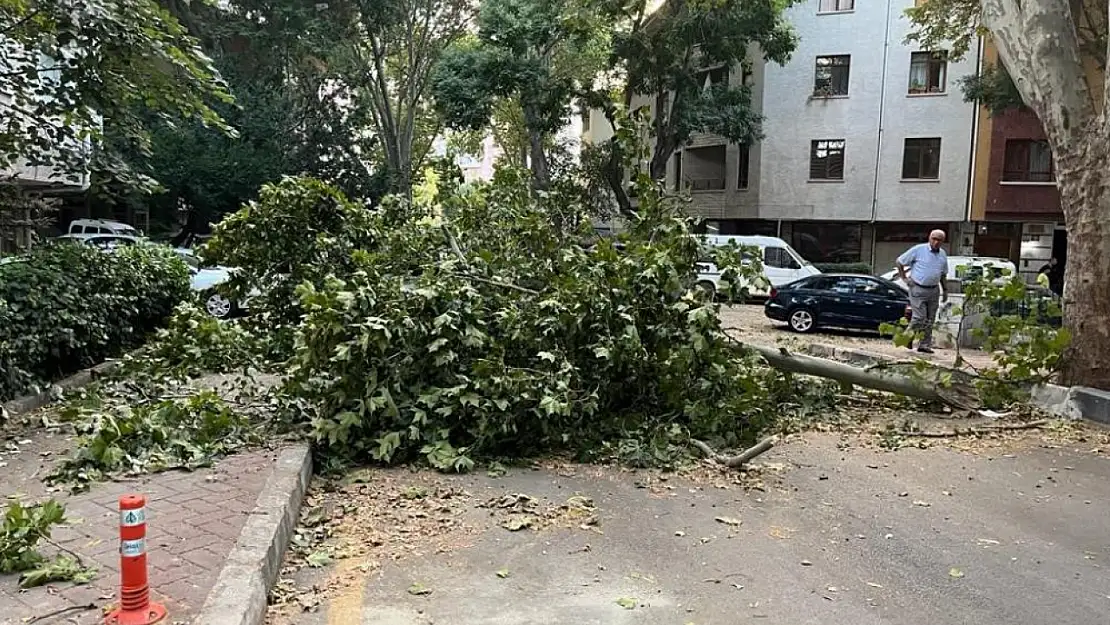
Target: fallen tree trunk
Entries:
(783, 360)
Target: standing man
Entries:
(924, 269)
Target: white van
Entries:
(781, 263)
(102, 226)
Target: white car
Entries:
(106, 242)
(204, 281)
(102, 226)
(961, 268)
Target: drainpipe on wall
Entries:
(974, 148)
(879, 138)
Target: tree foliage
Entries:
(385, 51)
(74, 68)
(993, 88)
(298, 231)
(529, 60)
(479, 325)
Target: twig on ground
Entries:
(739, 460)
(977, 431)
(61, 611)
(53, 543)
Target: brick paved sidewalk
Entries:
(193, 522)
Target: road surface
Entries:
(855, 535)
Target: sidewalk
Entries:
(194, 520)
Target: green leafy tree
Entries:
(1056, 53)
(384, 51)
(522, 73)
(679, 63)
(76, 68)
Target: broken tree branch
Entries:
(739, 460)
(977, 431)
(783, 360)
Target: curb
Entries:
(1076, 402)
(241, 592)
(31, 403)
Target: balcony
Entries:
(703, 169)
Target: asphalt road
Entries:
(860, 536)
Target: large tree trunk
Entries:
(1087, 274)
(1039, 45)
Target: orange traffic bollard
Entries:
(135, 607)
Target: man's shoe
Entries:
(925, 350)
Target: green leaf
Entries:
(503, 573)
(627, 603)
(419, 590)
(318, 559)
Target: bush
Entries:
(477, 326)
(65, 307)
(863, 268)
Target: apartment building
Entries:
(1015, 203)
(868, 142)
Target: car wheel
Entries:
(708, 288)
(802, 320)
(218, 306)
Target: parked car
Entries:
(105, 242)
(781, 264)
(839, 301)
(102, 226)
(204, 283)
(964, 268)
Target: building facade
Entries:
(1015, 202)
(868, 141)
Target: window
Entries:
(928, 72)
(826, 159)
(921, 159)
(742, 168)
(1028, 160)
(713, 77)
(831, 75)
(834, 6)
(827, 242)
(780, 258)
(678, 171)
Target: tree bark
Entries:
(1087, 273)
(1039, 45)
(881, 381)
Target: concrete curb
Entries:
(31, 403)
(1077, 402)
(241, 592)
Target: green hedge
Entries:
(65, 307)
(843, 267)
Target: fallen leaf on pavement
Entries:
(517, 523)
(418, 589)
(874, 585)
(317, 559)
(954, 572)
(923, 504)
(626, 602)
(727, 520)
(503, 573)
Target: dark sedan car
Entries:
(838, 301)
